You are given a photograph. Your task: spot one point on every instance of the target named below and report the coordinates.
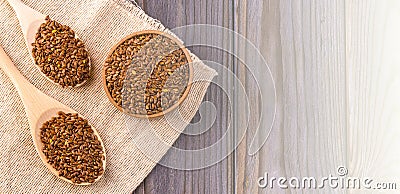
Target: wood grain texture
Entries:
(335, 65)
(303, 42)
(247, 23)
(217, 178)
(372, 57)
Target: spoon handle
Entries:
(20, 8)
(29, 19)
(29, 94)
(12, 72)
(15, 3)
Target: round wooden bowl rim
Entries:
(181, 99)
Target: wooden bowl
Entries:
(185, 93)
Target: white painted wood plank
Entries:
(373, 62)
(304, 44)
(314, 88)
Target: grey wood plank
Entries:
(247, 23)
(259, 22)
(304, 43)
(139, 189)
(217, 178)
(272, 156)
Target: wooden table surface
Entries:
(329, 68)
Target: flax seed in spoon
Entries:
(60, 55)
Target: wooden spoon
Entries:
(39, 108)
(30, 21)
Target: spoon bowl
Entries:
(30, 21)
(39, 108)
(47, 115)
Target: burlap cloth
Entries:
(133, 146)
